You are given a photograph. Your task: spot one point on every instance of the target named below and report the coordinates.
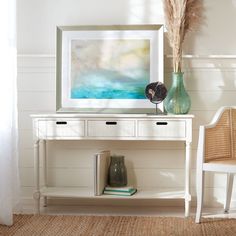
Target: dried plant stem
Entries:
(181, 17)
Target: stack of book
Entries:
(121, 191)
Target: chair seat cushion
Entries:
(221, 165)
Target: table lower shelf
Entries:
(68, 192)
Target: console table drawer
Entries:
(161, 129)
(111, 128)
(61, 128)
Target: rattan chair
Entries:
(217, 152)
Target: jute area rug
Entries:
(30, 225)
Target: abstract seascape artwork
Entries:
(110, 69)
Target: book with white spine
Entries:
(101, 164)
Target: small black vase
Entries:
(117, 175)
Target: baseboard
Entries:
(27, 201)
(110, 202)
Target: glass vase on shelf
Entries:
(117, 174)
(177, 100)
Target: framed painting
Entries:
(106, 68)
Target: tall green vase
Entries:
(177, 100)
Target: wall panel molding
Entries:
(223, 62)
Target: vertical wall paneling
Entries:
(211, 83)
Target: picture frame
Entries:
(105, 69)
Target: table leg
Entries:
(187, 178)
(44, 165)
(36, 194)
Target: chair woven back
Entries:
(219, 139)
(234, 132)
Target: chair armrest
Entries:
(217, 116)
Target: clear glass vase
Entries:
(117, 175)
(177, 100)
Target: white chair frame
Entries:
(203, 166)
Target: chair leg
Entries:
(230, 180)
(200, 193)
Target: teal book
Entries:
(119, 189)
(120, 193)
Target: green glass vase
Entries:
(177, 100)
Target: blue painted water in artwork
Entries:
(110, 85)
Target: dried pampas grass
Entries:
(181, 17)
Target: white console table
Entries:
(108, 127)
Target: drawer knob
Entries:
(61, 123)
(111, 123)
(161, 123)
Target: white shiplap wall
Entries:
(211, 83)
